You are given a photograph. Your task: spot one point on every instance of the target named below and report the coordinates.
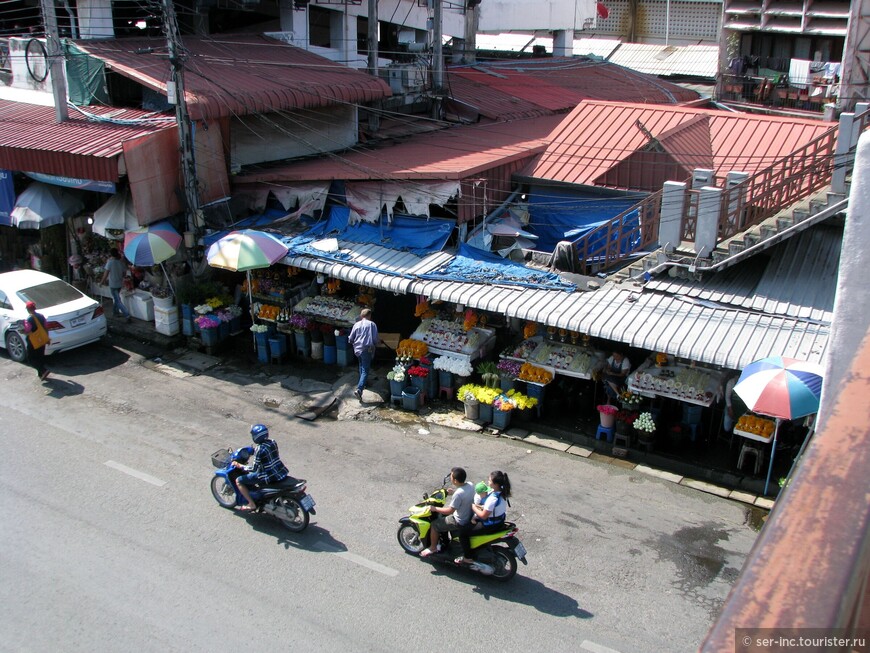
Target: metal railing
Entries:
(773, 93)
(789, 180)
(621, 236)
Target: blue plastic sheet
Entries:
(556, 214)
(259, 221)
(472, 264)
(403, 233)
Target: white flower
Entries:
(457, 366)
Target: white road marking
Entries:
(142, 476)
(596, 648)
(357, 559)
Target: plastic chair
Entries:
(606, 432)
(446, 391)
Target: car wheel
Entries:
(16, 347)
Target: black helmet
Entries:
(259, 433)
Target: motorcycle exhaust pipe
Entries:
(484, 569)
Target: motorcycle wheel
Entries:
(290, 513)
(409, 539)
(503, 561)
(224, 493)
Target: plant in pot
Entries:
(624, 420)
(501, 411)
(629, 400)
(419, 376)
(486, 398)
(488, 373)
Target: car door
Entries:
(6, 317)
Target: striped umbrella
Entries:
(151, 245)
(783, 388)
(246, 250)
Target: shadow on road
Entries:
(314, 538)
(60, 388)
(520, 589)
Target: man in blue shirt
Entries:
(363, 338)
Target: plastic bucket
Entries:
(396, 388)
(472, 410)
(411, 398)
(210, 337)
(486, 412)
(317, 351)
(607, 421)
(343, 357)
(501, 418)
(329, 354)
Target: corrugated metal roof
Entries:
(502, 90)
(666, 60)
(240, 74)
(758, 312)
(596, 136)
(796, 279)
(31, 140)
(729, 338)
(449, 154)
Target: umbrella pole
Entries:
(772, 454)
(251, 308)
(168, 282)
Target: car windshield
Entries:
(50, 294)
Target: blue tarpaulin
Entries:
(472, 264)
(557, 214)
(404, 233)
(7, 197)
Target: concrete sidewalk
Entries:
(237, 355)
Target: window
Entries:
(50, 294)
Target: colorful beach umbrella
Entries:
(151, 245)
(246, 250)
(783, 388)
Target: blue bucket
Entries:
(329, 354)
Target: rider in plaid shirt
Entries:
(266, 469)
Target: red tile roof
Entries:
(507, 90)
(240, 74)
(597, 136)
(449, 154)
(31, 140)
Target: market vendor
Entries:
(734, 406)
(616, 370)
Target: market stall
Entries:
(692, 385)
(575, 360)
(329, 310)
(449, 338)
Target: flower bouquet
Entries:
(397, 373)
(457, 366)
(259, 328)
(299, 322)
(607, 414)
(504, 403)
(234, 310)
(418, 371)
(160, 292)
(202, 309)
(523, 402)
(467, 394)
(629, 400)
(209, 321)
(644, 425)
(508, 369)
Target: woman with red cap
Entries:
(36, 329)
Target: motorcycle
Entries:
(495, 554)
(286, 500)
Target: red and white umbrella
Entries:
(783, 388)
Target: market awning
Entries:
(81, 147)
(240, 74)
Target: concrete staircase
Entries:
(683, 262)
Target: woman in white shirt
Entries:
(489, 516)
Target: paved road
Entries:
(112, 542)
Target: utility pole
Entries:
(55, 61)
(176, 96)
(374, 118)
(437, 54)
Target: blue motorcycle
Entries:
(286, 501)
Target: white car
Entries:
(73, 318)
